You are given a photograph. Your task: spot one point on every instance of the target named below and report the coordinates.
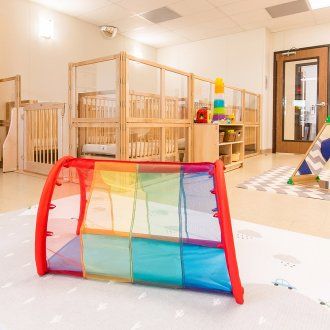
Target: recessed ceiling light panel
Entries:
(160, 15)
(288, 8)
(317, 4)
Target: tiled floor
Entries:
(282, 211)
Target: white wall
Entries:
(303, 37)
(43, 63)
(240, 59)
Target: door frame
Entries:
(275, 86)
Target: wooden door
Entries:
(301, 99)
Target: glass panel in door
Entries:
(300, 100)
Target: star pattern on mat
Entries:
(275, 181)
(142, 295)
(217, 302)
(136, 326)
(7, 285)
(29, 300)
(102, 306)
(72, 290)
(56, 319)
(179, 313)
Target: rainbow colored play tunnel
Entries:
(152, 223)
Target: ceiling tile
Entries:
(156, 37)
(243, 6)
(251, 16)
(169, 39)
(219, 3)
(194, 19)
(322, 15)
(142, 6)
(256, 24)
(73, 7)
(220, 24)
(105, 15)
(198, 32)
(189, 7)
(148, 32)
(131, 23)
(292, 21)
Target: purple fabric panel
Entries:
(202, 242)
(198, 168)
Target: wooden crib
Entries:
(146, 141)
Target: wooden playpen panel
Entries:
(103, 105)
(99, 140)
(251, 113)
(144, 105)
(42, 137)
(234, 102)
(158, 142)
(144, 143)
(98, 105)
(252, 104)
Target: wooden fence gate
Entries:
(41, 136)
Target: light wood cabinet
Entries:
(206, 142)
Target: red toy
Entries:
(202, 115)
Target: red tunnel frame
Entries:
(223, 215)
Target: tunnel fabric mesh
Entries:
(149, 223)
(107, 226)
(157, 252)
(63, 245)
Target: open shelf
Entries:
(226, 143)
(232, 124)
(233, 166)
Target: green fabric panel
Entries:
(161, 187)
(107, 255)
(159, 194)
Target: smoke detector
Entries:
(108, 31)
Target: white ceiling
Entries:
(201, 19)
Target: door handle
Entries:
(322, 104)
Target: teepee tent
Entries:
(315, 160)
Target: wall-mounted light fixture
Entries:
(46, 28)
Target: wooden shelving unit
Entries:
(234, 147)
(207, 145)
(244, 105)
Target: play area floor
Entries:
(286, 287)
(275, 181)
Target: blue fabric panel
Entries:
(205, 268)
(107, 255)
(304, 168)
(156, 262)
(325, 149)
(159, 262)
(68, 258)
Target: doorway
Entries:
(301, 92)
